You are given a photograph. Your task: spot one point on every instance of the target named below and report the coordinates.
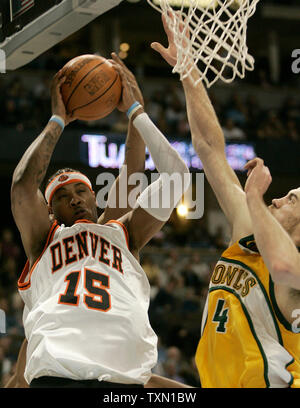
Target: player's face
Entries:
(73, 202)
(287, 209)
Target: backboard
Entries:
(31, 27)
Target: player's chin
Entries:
(85, 215)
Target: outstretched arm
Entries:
(208, 142)
(134, 160)
(28, 205)
(275, 245)
(156, 203)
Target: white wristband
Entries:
(136, 103)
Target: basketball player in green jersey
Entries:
(250, 334)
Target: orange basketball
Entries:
(92, 88)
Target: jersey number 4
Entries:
(221, 316)
(96, 285)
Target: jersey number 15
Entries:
(96, 285)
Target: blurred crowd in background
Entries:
(241, 117)
(177, 261)
(11, 257)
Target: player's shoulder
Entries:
(120, 227)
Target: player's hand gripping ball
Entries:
(92, 88)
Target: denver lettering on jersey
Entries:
(76, 247)
(233, 276)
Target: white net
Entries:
(210, 35)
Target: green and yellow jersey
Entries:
(245, 341)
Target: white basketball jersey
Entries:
(86, 307)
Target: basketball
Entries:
(92, 88)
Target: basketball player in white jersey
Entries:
(86, 295)
(134, 162)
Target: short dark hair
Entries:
(60, 171)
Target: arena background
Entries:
(260, 113)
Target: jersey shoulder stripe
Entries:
(26, 273)
(262, 288)
(124, 229)
(252, 328)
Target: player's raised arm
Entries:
(134, 161)
(156, 203)
(28, 204)
(208, 141)
(275, 245)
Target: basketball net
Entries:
(210, 35)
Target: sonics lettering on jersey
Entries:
(76, 247)
(233, 276)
